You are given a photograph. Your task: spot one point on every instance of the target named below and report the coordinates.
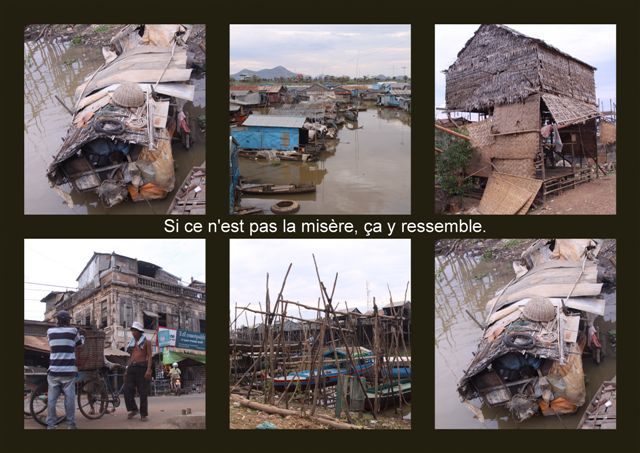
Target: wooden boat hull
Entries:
(276, 189)
(388, 395)
(306, 379)
(190, 197)
(601, 411)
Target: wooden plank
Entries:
(160, 113)
(558, 264)
(492, 332)
(177, 90)
(549, 290)
(138, 76)
(85, 115)
(586, 304)
(570, 328)
(556, 275)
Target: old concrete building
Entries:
(115, 290)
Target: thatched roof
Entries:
(499, 66)
(529, 38)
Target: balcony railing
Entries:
(173, 289)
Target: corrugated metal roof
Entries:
(270, 88)
(36, 343)
(275, 121)
(243, 88)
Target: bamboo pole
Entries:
(340, 329)
(376, 346)
(450, 132)
(318, 367)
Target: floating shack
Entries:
(538, 113)
(395, 98)
(119, 141)
(536, 330)
(282, 133)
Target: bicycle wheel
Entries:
(38, 406)
(92, 399)
(27, 402)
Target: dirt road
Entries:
(165, 412)
(594, 197)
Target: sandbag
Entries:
(156, 166)
(148, 191)
(567, 380)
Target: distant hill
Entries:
(268, 74)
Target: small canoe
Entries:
(388, 394)
(276, 189)
(402, 372)
(306, 379)
(601, 412)
(190, 197)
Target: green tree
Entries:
(452, 163)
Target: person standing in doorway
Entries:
(138, 373)
(61, 375)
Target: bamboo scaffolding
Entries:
(274, 348)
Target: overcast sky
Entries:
(357, 261)
(60, 261)
(593, 44)
(353, 50)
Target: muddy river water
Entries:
(367, 173)
(57, 68)
(466, 283)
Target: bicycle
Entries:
(39, 402)
(96, 393)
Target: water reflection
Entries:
(368, 172)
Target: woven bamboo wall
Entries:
(508, 194)
(481, 139)
(517, 167)
(517, 117)
(516, 146)
(607, 133)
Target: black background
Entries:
(423, 436)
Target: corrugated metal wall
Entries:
(256, 137)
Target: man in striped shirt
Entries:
(62, 372)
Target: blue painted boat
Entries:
(401, 372)
(306, 379)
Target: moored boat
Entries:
(601, 411)
(119, 142)
(529, 358)
(389, 394)
(190, 199)
(276, 189)
(328, 374)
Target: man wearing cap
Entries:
(138, 372)
(62, 372)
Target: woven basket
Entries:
(128, 95)
(90, 356)
(539, 309)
